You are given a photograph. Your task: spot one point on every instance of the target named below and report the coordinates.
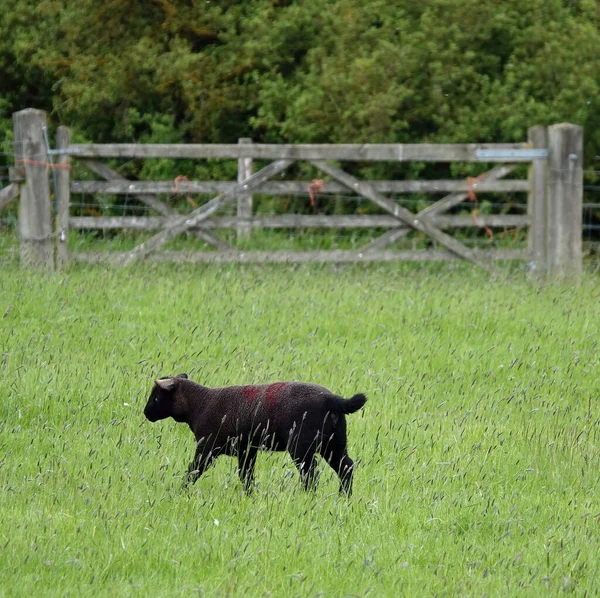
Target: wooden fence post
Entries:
(63, 182)
(244, 203)
(537, 202)
(35, 219)
(565, 199)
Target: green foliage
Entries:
(309, 71)
(477, 451)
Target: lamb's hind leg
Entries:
(344, 467)
(335, 453)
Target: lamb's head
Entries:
(166, 399)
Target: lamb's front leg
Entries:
(246, 462)
(203, 459)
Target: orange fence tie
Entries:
(183, 179)
(471, 183)
(314, 189)
(41, 163)
(472, 196)
(179, 179)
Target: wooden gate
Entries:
(554, 156)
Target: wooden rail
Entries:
(444, 152)
(303, 257)
(126, 187)
(294, 221)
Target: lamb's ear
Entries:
(185, 376)
(167, 383)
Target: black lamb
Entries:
(303, 419)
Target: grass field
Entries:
(478, 450)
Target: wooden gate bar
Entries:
(63, 176)
(245, 200)
(127, 187)
(185, 223)
(296, 221)
(399, 212)
(392, 152)
(304, 257)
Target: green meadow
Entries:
(477, 452)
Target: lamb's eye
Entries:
(156, 399)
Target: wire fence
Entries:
(591, 212)
(298, 238)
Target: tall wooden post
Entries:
(537, 202)
(63, 180)
(244, 204)
(35, 219)
(565, 199)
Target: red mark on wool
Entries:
(273, 391)
(250, 392)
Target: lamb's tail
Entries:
(347, 406)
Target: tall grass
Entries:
(478, 450)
